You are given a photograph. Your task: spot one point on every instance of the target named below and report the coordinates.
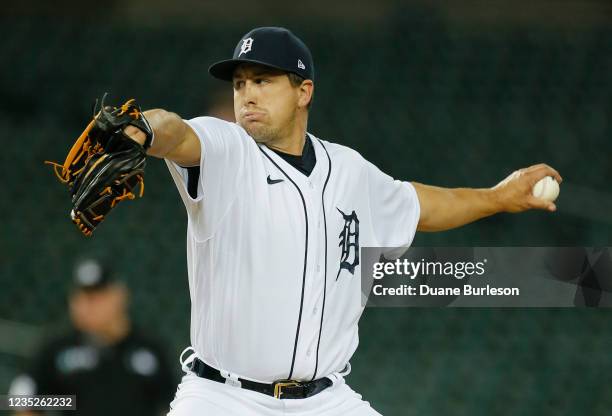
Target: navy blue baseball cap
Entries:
(275, 47)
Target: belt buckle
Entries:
(280, 384)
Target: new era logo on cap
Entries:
(301, 64)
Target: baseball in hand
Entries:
(546, 188)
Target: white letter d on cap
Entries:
(246, 46)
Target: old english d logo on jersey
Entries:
(246, 46)
(349, 242)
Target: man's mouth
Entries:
(253, 116)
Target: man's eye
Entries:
(262, 81)
(238, 84)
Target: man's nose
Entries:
(250, 92)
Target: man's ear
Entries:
(305, 92)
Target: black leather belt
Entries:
(281, 389)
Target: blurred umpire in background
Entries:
(108, 364)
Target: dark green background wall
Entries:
(422, 99)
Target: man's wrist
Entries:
(494, 197)
(135, 134)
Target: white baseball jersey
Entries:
(273, 254)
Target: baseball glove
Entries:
(104, 166)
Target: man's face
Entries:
(265, 102)
(93, 311)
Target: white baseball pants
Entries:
(198, 396)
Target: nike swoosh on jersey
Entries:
(273, 181)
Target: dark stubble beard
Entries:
(263, 134)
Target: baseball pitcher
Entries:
(276, 218)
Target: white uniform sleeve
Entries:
(222, 160)
(394, 209)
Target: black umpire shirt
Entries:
(129, 378)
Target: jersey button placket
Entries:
(310, 322)
(315, 277)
